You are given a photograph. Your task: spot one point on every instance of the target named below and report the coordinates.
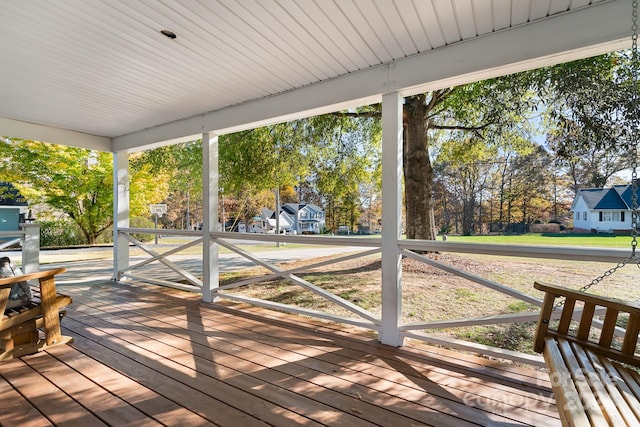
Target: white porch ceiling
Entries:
(99, 74)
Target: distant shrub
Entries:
(60, 232)
(546, 228)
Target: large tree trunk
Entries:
(418, 172)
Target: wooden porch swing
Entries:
(595, 380)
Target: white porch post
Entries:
(210, 273)
(31, 248)
(120, 211)
(391, 219)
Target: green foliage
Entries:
(328, 157)
(469, 117)
(172, 175)
(346, 162)
(75, 181)
(60, 232)
(591, 115)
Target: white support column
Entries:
(31, 248)
(120, 211)
(391, 219)
(210, 273)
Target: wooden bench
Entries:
(20, 327)
(591, 373)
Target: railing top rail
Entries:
(371, 242)
(574, 253)
(12, 233)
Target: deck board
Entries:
(145, 355)
(17, 410)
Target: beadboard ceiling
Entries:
(100, 74)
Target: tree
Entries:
(347, 164)
(529, 178)
(588, 165)
(74, 181)
(481, 109)
(466, 167)
(590, 114)
(178, 168)
(326, 157)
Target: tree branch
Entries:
(463, 128)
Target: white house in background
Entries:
(306, 218)
(603, 209)
(267, 222)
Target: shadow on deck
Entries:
(146, 355)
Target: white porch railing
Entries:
(28, 237)
(358, 315)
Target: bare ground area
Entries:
(430, 293)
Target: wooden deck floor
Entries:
(145, 355)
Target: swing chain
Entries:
(610, 272)
(634, 139)
(634, 159)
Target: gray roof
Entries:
(617, 197)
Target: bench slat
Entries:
(585, 321)
(586, 395)
(543, 321)
(605, 391)
(624, 388)
(570, 408)
(631, 336)
(567, 315)
(608, 327)
(590, 384)
(630, 380)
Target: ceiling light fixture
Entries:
(169, 34)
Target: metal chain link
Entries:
(634, 131)
(634, 161)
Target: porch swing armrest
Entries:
(583, 335)
(573, 294)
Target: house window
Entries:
(622, 216)
(584, 215)
(608, 216)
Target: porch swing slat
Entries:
(590, 387)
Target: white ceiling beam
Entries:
(586, 32)
(35, 132)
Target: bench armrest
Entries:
(561, 291)
(7, 282)
(583, 335)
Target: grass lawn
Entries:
(550, 239)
